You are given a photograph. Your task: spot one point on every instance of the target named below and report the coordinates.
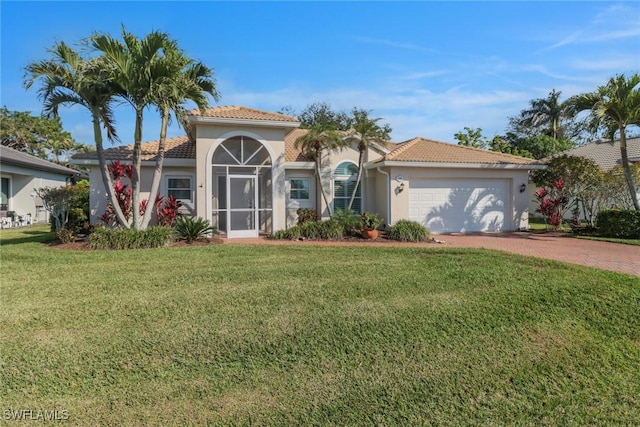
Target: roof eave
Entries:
(188, 162)
(61, 170)
(244, 122)
(411, 164)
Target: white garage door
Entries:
(460, 205)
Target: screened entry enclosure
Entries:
(242, 188)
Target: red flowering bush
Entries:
(551, 203)
(166, 210)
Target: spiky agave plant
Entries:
(191, 229)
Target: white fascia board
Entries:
(167, 162)
(454, 165)
(299, 165)
(244, 122)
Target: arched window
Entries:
(344, 181)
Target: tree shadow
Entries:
(468, 210)
(28, 236)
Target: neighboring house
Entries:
(242, 172)
(607, 154)
(21, 174)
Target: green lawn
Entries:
(315, 335)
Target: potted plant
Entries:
(370, 222)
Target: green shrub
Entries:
(65, 235)
(348, 219)
(408, 231)
(307, 215)
(330, 230)
(618, 223)
(312, 230)
(370, 220)
(292, 233)
(108, 238)
(191, 229)
(68, 206)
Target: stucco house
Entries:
(241, 171)
(21, 174)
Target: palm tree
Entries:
(182, 79)
(68, 79)
(139, 67)
(367, 131)
(547, 111)
(321, 137)
(614, 107)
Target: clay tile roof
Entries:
(607, 154)
(179, 147)
(291, 154)
(426, 150)
(243, 113)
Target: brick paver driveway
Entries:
(607, 256)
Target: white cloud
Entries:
(394, 44)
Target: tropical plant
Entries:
(582, 182)
(370, 220)
(191, 230)
(153, 71)
(552, 203)
(320, 138)
(367, 132)
(57, 201)
(348, 219)
(546, 113)
(408, 231)
(613, 108)
(167, 210)
(306, 215)
(67, 80)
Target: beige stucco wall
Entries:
(351, 154)
(98, 199)
(516, 177)
(292, 206)
(210, 136)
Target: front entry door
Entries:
(243, 202)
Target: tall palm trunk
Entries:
(627, 169)
(104, 170)
(318, 157)
(136, 175)
(359, 178)
(157, 172)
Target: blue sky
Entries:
(428, 68)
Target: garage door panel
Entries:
(446, 206)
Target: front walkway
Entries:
(604, 255)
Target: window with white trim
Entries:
(180, 188)
(344, 182)
(299, 189)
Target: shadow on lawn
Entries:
(28, 236)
